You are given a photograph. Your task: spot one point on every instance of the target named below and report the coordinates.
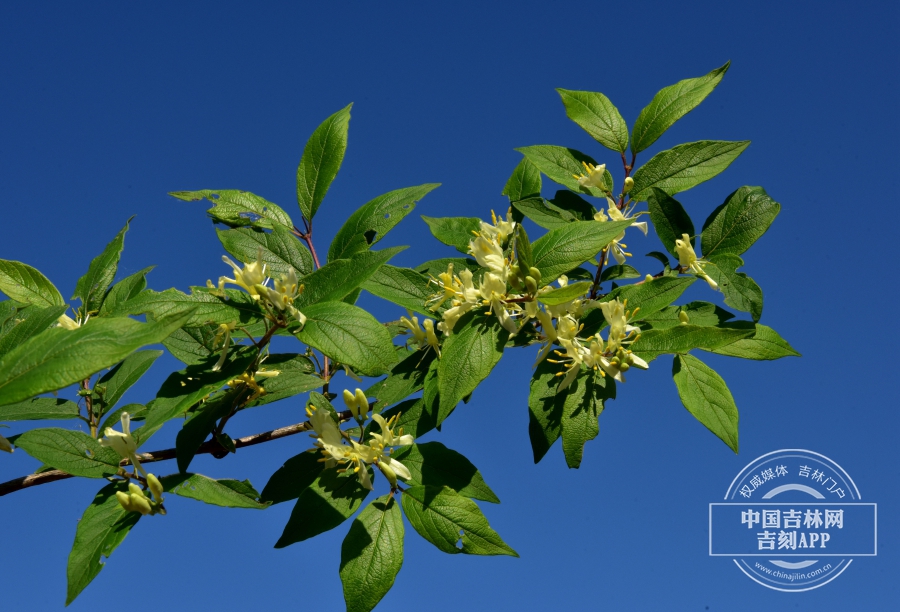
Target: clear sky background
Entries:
(106, 107)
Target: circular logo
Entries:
(792, 521)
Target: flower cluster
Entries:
(252, 279)
(610, 356)
(488, 249)
(339, 449)
(424, 338)
(136, 500)
(617, 247)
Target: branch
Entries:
(211, 447)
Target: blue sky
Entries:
(107, 108)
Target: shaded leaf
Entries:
(706, 396)
(327, 502)
(371, 554)
(434, 464)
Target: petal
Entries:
(399, 469)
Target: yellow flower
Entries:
(616, 246)
(252, 274)
(688, 261)
(594, 176)
(123, 442)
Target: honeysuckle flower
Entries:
(594, 176)
(282, 294)
(614, 214)
(619, 330)
(489, 254)
(69, 323)
(424, 338)
(331, 444)
(248, 277)
(688, 261)
(123, 442)
(387, 437)
(223, 335)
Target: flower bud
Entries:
(388, 473)
(135, 490)
(531, 284)
(648, 278)
(629, 184)
(684, 318)
(5, 446)
(352, 403)
(535, 274)
(124, 500)
(624, 367)
(362, 402)
(139, 503)
(155, 487)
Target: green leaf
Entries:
(200, 423)
(350, 335)
(91, 287)
(40, 408)
(525, 182)
(597, 116)
(573, 204)
(543, 213)
(564, 294)
(237, 208)
(669, 219)
(524, 255)
(562, 165)
(119, 379)
(23, 283)
(671, 104)
(373, 220)
(225, 493)
(102, 527)
(453, 523)
(740, 221)
(292, 478)
(620, 272)
(467, 358)
(706, 396)
(236, 307)
(60, 357)
(545, 408)
(296, 375)
(402, 286)
(192, 345)
(137, 412)
(337, 278)
(648, 296)
(740, 290)
(682, 338)
(371, 554)
(404, 379)
(124, 290)
(416, 418)
(765, 344)
(437, 266)
(321, 160)
(72, 452)
(27, 323)
(685, 166)
(699, 313)
(454, 231)
(434, 464)
(281, 251)
(182, 389)
(327, 502)
(580, 410)
(567, 247)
